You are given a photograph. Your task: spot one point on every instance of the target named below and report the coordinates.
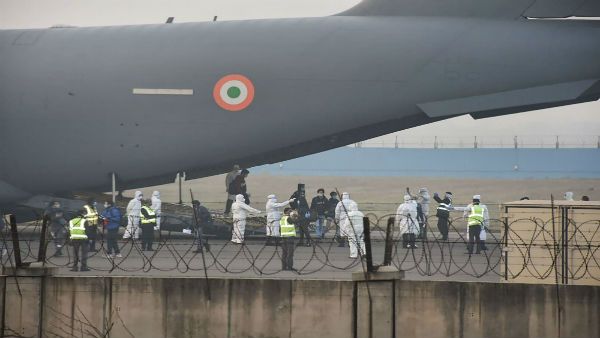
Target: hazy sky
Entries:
(574, 122)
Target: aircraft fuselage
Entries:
(77, 104)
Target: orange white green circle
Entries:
(234, 92)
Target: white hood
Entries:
(240, 198)
(272, 197)
(138, 195)
(345, 196)
(156, 194)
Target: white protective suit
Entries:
(424, 199)
(157, 207)
(240, 211)
(355, 227)
(406, 217)
(486, 219)
(134, 209)
(341, 212)
(274, 215)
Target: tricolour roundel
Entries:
(234, 92)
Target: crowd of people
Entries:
(287, 229)
(411, 218)
(143, 219)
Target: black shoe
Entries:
(197, 251)
(93, 250)
(341, 245)
(84, 268)
(74, 269)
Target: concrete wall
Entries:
(179, 307)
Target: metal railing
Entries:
(516, 142)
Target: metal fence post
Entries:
(367, 233)
(114, 188)
(15, 238)
(387, 256)
(180, 174)
(42, 248)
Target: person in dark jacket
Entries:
(443, 213)
(58, 224)
(318, 208)
(301, 206)
(330, 213)
(202, 218)
(238, 186)
(111, 219)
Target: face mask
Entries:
(321, 194)
(95, 203)
(106, 206)
(334, 197)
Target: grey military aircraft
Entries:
(144, 102)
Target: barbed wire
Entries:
(516, 248)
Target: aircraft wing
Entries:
(515, 101)
(506, 9)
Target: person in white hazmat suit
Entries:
(157, 207)
(355, 229)
(240, 211)
(406, 218)
(134, 210)
(341, 213)
(273, 218)
(486, 220)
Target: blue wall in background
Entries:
(479, 163)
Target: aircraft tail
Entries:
(506, 9)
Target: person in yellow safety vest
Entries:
(287, 228)
(148, 222)
(474, 218)
(91, 223)
(79, 240)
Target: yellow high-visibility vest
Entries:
(150, 212)
(476, 215)
(91, 215)
(287, 229)
(77, 228)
